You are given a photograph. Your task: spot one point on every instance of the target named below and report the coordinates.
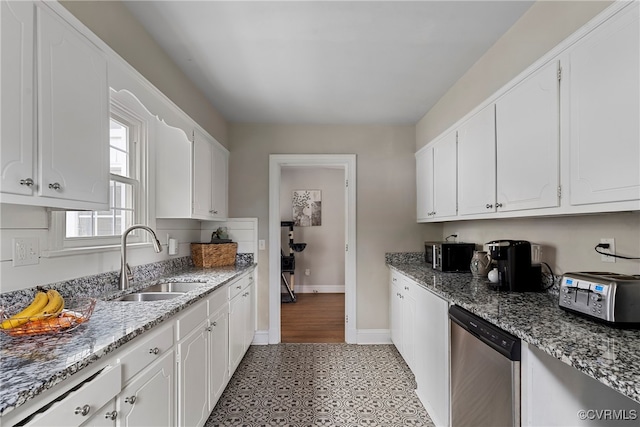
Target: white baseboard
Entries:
(260, 338)
(311, 289)
(374, 336)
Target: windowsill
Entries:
(87, 250)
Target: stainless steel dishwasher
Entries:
(485, 372)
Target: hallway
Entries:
(303, 385)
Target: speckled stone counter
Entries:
(610, 355)
(31, 365)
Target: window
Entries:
(127, 201)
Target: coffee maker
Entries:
(515, 271)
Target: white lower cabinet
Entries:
(148, 400)
(218, 347)
(403, 315)
(241, 320)
(193, 387)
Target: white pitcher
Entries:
(480, 264)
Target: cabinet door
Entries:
(219, 355)
(16, 103)
(73, 113)
(104, 417)
(220, 185)
(193, 386)
(424, 183)
(604, 75)
(174, 172)
(149, 399)
(395, 311)
(477, 163)
(444, 176)
(202, 177)
(236, 331)
(432, 355)
(527, 138)
(250, 320)
(408, 323)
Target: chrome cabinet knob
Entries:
(498, 205)
(28, 182)
(215, 324)
(154, 350)
(489, 206)
(209, 329)
(55, 186)
(213, 211)
(130, 400)
(406, 288)
(111, 415)
(84, 410)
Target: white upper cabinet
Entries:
(189, 174)
(477, 163)
(528, 142)
(72, 111)
(436, 179)
(604, 105)
(17, 149)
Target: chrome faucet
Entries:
(125, 271)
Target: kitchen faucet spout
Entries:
(125, 272)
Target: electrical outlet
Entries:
(26, 251)
(261, 245)
(307, 272)
(610, 250)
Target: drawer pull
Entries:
(28, 182)
(154, 350)
(489, 206)
(55, 186)
(238, 287)
(406, 288)
(498, 205)
(111, 415)
(84, 410)
(215, 324)
(209, 329)
(130, 400)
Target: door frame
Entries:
(348, 163)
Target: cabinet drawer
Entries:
(190, 318)
(83, 401)
(146, 351)
(236, 287)
(217, 300)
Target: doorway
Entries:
(347, 165)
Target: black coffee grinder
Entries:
(515, 272)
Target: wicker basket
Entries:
(213, 254)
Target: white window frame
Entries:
(125, 109)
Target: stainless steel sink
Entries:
(149, 296)
(172, 287)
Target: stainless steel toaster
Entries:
(609, 297)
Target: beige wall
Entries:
(385, 198)
(324, 254)
(568, 242)
(114, 24)
(539, 30)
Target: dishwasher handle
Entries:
(501, 341)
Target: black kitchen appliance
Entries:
(449, 256)
(515, 270)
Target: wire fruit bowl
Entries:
(77, 311)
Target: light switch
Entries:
(261, 245)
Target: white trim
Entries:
(348, 163)
(374, 336)
(261, 338)
(319, 289)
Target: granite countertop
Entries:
(610, 355)
(31, 365)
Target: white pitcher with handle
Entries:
(480, 264)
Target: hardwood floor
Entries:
(314, 318)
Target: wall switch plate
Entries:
(307, 272)
(173, 246)
(261, 245)
(610, 250)
(26, 251)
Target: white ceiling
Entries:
(337, 62)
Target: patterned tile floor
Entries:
(302, 385)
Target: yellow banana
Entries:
(54, 306)
(36, 306)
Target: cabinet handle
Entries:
(28, 182)
(213, 211)
(154, 350)
(215, 323)
(111, 415)
(55, 186)
(406, 288)
(130, 400)
(489, 206)
(394, 279)
(239, 287)
(498, 205)
(84, 410)
(209, 329)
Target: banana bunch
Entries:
(44, 304)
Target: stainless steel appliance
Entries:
(485, 372)
(608, 297)
(449, 256)
(516, 273)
